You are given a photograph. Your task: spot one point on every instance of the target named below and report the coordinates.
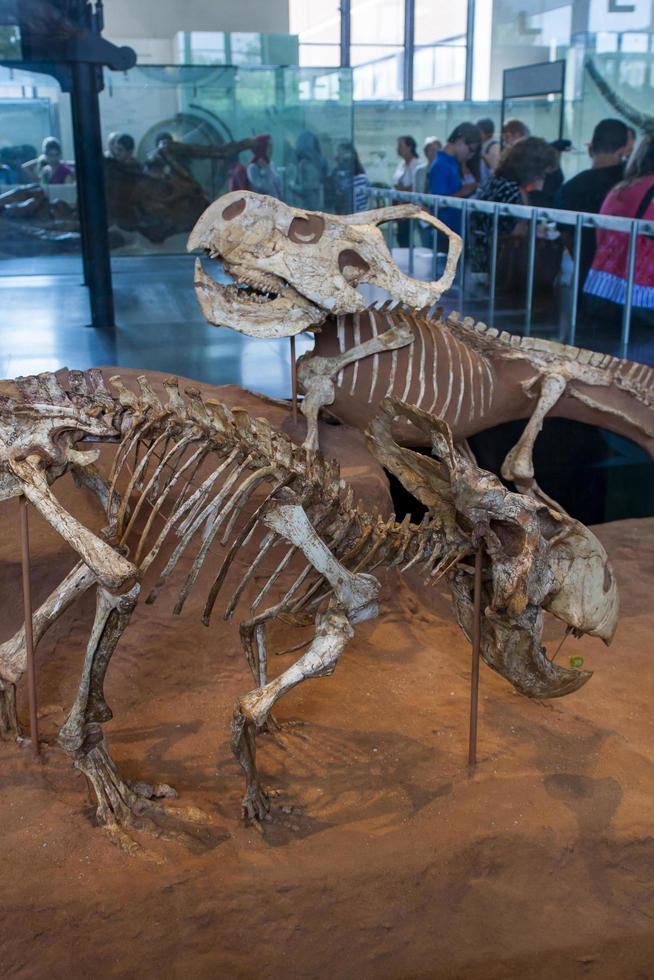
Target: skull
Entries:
(538, 559)
(293, 267)
(38, 419)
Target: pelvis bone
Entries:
(292, 267)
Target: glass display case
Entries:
(208, 116)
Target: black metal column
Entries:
(92, 200)
(78, 140)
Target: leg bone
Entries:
(355, 593)
(519, 464)
(251, 712)
(316, 374)
(13, 652)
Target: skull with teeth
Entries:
(292, 267)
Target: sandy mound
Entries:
(385, 858)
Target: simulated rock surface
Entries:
(385, 858)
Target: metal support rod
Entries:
(493, 267)
(631, 269)
(434, 251)
(29, 636)
(345, 33)
(476, 651)
(293, 380)
(412, 229)
(576, 259)
(470, 41)
(530, 270)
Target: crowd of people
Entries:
(309, 182)
(513, 167)
(518, 168)
(48, 167)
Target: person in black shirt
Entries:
(586, 191)
(553, 178)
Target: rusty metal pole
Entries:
(29, 636)
(476, 648)
(293, 380)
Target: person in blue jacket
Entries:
(445, 173)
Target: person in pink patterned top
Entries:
(606, 282)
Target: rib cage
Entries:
(456, 369)
(411, 373)
(183, 475)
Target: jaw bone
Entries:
(307, 257)
(253, 313)
(512, 648)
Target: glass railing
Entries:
(205, 112)
(521, 269)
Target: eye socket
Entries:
(511, 537)
(234, 209)
(349, 259)
(307, 230)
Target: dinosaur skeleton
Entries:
(637, 117)
(470, 375)
(185, 476)
(473, 377)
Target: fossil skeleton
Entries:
(185, 476)
(471, 376)
(637, 117)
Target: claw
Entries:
(256, 805)
(124, 807)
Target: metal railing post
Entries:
(462, 260)
(631, 269)
(412, 229)
(493, 266)
(521, 212)
(434, 250)
(530, 270)
(576, 259)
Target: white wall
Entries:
(164, 18)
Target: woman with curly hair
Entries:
(521, 170)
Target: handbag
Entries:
(513, 264)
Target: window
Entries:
(377, 48)
(318, 26)
(377, 54)
(439, 61)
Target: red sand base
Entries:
(384, 858)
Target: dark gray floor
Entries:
(45, 312)
(44, 320)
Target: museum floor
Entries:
(45, 312)
(44, 326)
